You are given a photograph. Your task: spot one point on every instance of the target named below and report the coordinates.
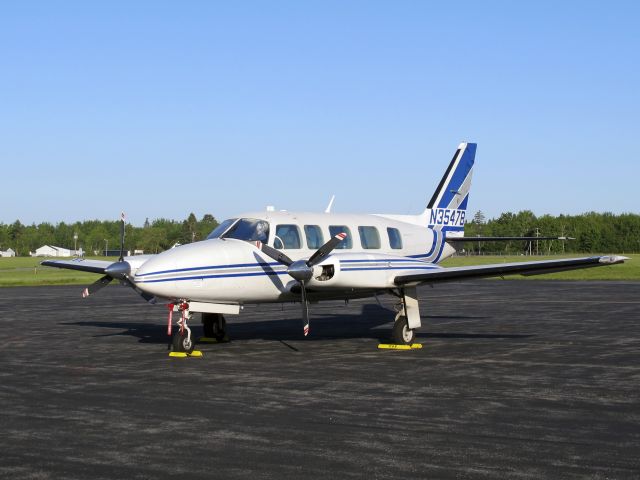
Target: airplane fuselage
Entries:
(234, 270)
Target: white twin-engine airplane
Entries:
(266, 257)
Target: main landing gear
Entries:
(408, 317)
(215, 326)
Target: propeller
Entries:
(122, 218)
(119, 270)
(97, 285)
(302, 270)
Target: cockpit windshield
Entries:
(220, 229)
(248, 229)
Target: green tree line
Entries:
(591, 232)
(96, 235)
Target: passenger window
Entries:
(395, 240)
(287, 236)
(336, 229)
(369, 237)
(314, 236)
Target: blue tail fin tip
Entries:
(456, 180)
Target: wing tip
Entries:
(613, 259)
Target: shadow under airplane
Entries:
(366, 324)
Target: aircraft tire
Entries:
(214, 325)
(401, 333)
(208, 324)
(181, 343)
(220, 332)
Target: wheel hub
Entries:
(406, 333)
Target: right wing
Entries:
(452, 274)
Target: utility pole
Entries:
(75, 241)
(537, 235)
(106, 247)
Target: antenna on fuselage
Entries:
(328, 209)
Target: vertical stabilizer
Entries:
(446, 210)
(453, 189)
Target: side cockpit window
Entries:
(287, 236)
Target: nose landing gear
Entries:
(182, 341)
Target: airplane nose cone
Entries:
(156, 276)
(170, 274)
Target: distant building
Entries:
(7, 253)
(50, 251)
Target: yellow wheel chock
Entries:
(195, 353)
(393, 346)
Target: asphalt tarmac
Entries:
(517, 379)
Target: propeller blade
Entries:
(121, 237)
(277, 255)
(147, 296)
(325, 249)
(97, 285)
(305, 310)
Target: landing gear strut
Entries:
(407, 319)
(214, 326)
(182, 340)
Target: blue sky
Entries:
(164, 108)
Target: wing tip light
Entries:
(613, 259)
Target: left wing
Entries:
(81, 264)
(498, 270)
(119, 270)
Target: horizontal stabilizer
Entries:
(503, 239)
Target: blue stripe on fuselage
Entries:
(222, 275)
(257, 274)
(209, 267)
